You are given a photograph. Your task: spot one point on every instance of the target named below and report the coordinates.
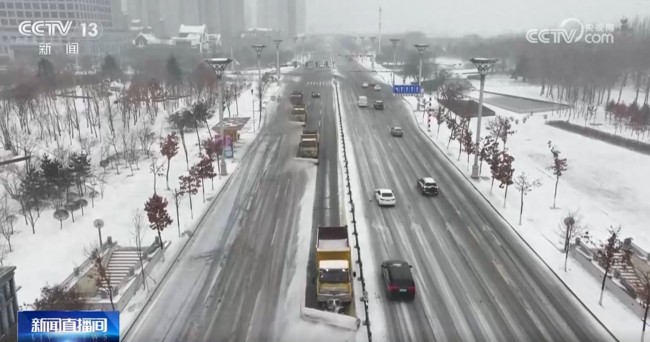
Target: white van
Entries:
(363, 101)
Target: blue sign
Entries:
(407, 89)
(64, 326)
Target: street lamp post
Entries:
(295, 39)
(421, 48)
(372, 52)
(483, 65)
(219, 65)
(394, 41)
(277, 56)
(258, 49)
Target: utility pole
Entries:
(258, 49)
(372, 52)
(277, 56)
(394, 41)
(219, 65)
(295, 39)
(379, 47)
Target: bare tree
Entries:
(147, 139)
(5, 227)
(570, 228)
(525, 185)
(178, 196)
(100, 273)
(3, 252)
(607, 256)
(59, 298)
(157, 170)
(558, 167)
(138, 235)
(645, 297)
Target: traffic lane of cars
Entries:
(422, 320)
(500, 283)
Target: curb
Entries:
(509, 225)
(195, 225)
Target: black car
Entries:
(315, 95)
(398, 280)
(379, 105)
(428, 186)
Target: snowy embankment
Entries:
(124, 193)
(377, 316)
(602, 194)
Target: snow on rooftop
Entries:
(198, 29)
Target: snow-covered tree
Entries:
(607, 256)
(169, 149)
(525, 185)
(558, 167)
(156, 209)
(505, 173)
(570, 228)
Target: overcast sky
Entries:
(459, 17)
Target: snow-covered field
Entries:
(596, 188)
(125, 193)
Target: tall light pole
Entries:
(372, 52)
(258, 49)
(394, 41)
(295, 39)
(219, 65)
(421, 48)
(277, 56)
(483, 65)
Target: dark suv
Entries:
(379, 105)
(398, 280)
(428, 186)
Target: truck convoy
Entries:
(333, 258)
(308, 146)
(299, 113)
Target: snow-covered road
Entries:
(476, 280)
(228, 283)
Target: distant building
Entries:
(259, 34)
(8, 305)
(147, 39)
(287, 17)
(193, 36)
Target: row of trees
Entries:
(491, 149)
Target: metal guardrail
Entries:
(354, 221)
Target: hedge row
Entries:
(631, 144)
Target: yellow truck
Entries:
(299, 113)
(333, 257)
(309, 143)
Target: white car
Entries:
(377, 87)
(364, 85)
(384, 197)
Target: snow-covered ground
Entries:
(602, 193)
(124, 194)
(505, 85)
